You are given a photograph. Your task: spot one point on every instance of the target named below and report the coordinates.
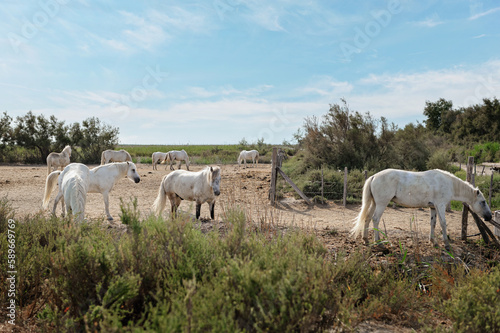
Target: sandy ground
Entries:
(245, 188)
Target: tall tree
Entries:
(436, 113)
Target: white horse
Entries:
(101, 180)
(74, 185)
(157, 158)
(176, 155)
(432, 188)
(251, 154)
(56, 160)
(115, 156)
(202, 186)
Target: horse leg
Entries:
(56, 201)
(212, 210)
(432, 237)
(105, 196)
(379, 210)
(440, 213)
(198, 210)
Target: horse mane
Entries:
(461, 187)
(210, 174)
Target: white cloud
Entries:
(430, 22)
(482, 14)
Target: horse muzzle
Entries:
(487, 217)
(217, 192)
(136, 180)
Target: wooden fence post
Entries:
(491, 188)
(345, 186)
(323, 184)
(274, 175)
(465, 210)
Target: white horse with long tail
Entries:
(115, 156)
(56, 160)
(101, 180)
(251, 154)
(177, 155)
(432, 188)
(73, 188)
(202, 186)
(157, 158)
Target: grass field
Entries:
(198, 154)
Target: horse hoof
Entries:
(110, 219)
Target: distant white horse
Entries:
(56, 160)
(101, 180)
(115, 156)
(251, 154)
(73, 188)
(202, 186)
(432, 188)
(176, 155)
(157, 158)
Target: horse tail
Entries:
(50, 183)
(161, 199)
(103, 158)
(359, 222)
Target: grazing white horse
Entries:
(202, 186)
(432, 188)
(251, 154)
(176, 155)
(101, 180)
(115, 156)
(56, 160)
(74, 185)
(157, 158)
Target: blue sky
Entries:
(217, 71)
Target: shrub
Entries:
(475, 305)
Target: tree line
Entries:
(347, 138)
(31, 138)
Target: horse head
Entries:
(214, 179)
(132, 173)
(480, 206)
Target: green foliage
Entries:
(475, 305)
(486, 152)
(32, 137)
(439, 160)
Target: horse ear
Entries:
(211, 169)
(476, 192)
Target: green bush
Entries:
(167, 275)
(475, 305)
